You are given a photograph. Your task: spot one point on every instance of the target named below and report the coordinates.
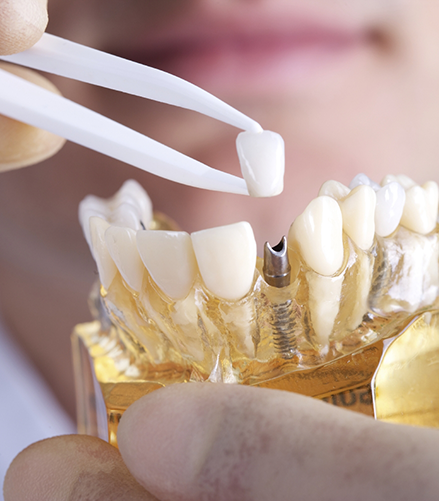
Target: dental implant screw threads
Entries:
(277, 274)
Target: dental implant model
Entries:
(343, 310)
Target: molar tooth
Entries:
(169, 257)
(360, 179)
(334, 189)
(121, 244)
(421, 208)
(127, 215)
(106, 267)
(132, 192)
(358, 210)
(226, 258)
(262, 159)
(318, 233)
(389, 208)
(405, 181)
(88, 207)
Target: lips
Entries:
(249, 53)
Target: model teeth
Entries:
(421, 208)
(226, 258)
(318, 234)
(262, 159)
(121, 244)
(169, 257)
(106, 268)
(361, 179)
(358, 210)
(334, 189)
(389, 208)
(211, 307)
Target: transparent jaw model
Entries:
(339, 312)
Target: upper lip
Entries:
(249, 30)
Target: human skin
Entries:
(376, 113)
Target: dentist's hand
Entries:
(218, 442)
(22, 22)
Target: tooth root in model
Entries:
(318, 236)
(226, 258)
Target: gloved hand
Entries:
(22, 22)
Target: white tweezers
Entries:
(33, 105)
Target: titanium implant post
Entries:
(277, 273)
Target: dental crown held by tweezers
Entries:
(261, 153)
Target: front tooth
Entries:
(318, 233)
(358, 210)
(169, 257)
(360, 179)
(421, 208)
(121, 244)
(334, 189)
(389, 208)
(262, 159)
(106, 267)
(226, 259)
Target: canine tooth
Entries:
(262, 159)
(360, 179)
(121, 243)
(389, 208)
(169, 257)
(358, 210)
(226, 258)
(421, 208)
(334, 189)
(106, 267)
(318, 233)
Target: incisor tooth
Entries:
(226, 258)
(334, 189)
(106, 267)
(358, 210)
(121, 244)
(389, 208)
(421, 208)
(169, 257)
(318, 233)
(262, 159)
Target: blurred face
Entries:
(351, 86)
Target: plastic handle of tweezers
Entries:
(68, 59)
(31, 104)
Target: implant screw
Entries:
(277, 273)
